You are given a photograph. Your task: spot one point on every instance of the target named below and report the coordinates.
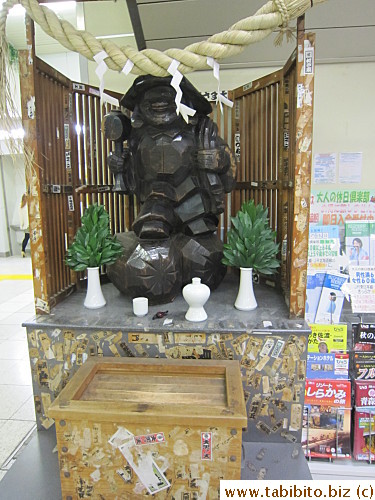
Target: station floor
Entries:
(17, 416)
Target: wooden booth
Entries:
(270, 131)
(269, 128)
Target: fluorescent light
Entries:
(121, 35)
(58, 7)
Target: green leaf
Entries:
(93, 244)
(251, 241)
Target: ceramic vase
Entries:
(94, 296)
(245, 300)
(196, 295)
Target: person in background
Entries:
(24, 223)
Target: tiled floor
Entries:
(17, 416)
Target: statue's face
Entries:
(158, 105)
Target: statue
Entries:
(180, 173)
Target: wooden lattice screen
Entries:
(71, 166)
(263, 121)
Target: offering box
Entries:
(129, 427)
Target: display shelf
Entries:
(340, 469)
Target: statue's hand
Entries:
(117, 163)
(211, 159)
(207, 133)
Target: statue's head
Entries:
(153, 100)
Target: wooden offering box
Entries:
(130, 427)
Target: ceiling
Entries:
(345, 29)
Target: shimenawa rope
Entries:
(275, 14)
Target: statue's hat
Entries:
(190, 95)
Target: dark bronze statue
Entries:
(180, 172)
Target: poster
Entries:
(362, 288)
(350, 168)
(335, 206)
(325, 168)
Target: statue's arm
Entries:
(117, 128)
(214, 153)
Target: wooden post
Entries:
(33, 172)
(302, 175)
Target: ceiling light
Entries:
(121, 35)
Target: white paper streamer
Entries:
(128, 67)
(175, 83)
(216, 70)
(100, 71)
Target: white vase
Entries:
(196, 295)
(94, 296)
(245, 300)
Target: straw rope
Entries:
(275, 14)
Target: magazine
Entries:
(364, 394)
(326, 419)
(328, 338)
(324, 248)
(364, 435)
(357, 242)
(314, 288)
(362, 288)
(364, 337)
(372, 243)
(332, 298)
(327, 366)
(364, 421)
(363, 365)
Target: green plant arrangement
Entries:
(93, 244)
(251, 241)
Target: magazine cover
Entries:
(327, 418)
(331, 298)
(364, 435)
(372, 243)
(364, 421)
(363, 366)
(314, 286)
(364, 393)
(364, 337)
(357, 242)
(362, 288)
(324, 248)
(327, 366)
(328, 338)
